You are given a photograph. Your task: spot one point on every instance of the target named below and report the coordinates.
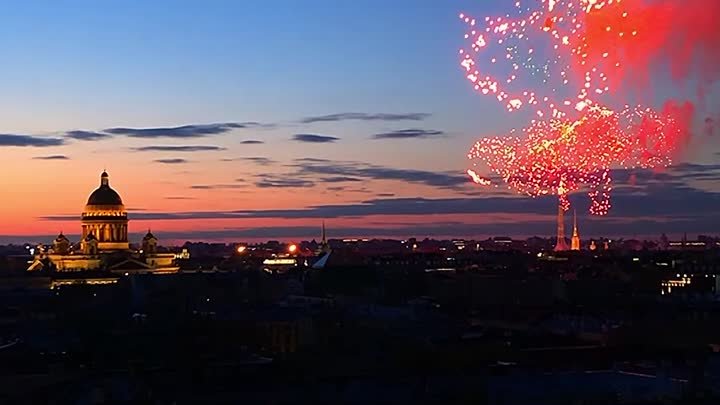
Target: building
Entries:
(104, 245)
(561, 244)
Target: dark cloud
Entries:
(394, 206)
(374, 172)
(178, 148)
(365, 117)
(251, 142)
(172, 161)
(691, 171)
(258, 160)
(650, 207)
(313, 138)
(386, 195)
(312, 160)
(409, 133)
(340, 179)
(86, 135)
(345, 189)
(52, 157)
(180, 198)
(185, 131)
(29, 141)
(218, 186)
(283, 182)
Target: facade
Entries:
(104, 245)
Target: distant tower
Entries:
(149, 244)
(324, 246)
(561, 244)
(575, 241)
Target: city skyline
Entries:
(252, 121)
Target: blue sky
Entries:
(89, 63)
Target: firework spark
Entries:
(560, 156)
(577, 51)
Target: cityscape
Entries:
(222, 203)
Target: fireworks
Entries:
(560, 156)
(574, 51)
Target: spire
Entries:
(575, 240)
(324, 247)
(324, 238)
(575, 231)
(561, 244)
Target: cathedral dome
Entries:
(104, 195)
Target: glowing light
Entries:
(477, 179)
(241, 249)
(292, 248)
(572, 49)
(560, 156)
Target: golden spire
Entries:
(575, 240)
(575, 231)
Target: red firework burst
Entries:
(575, 50)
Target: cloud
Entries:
(218, 186)
(29, 141)
(386, 195)
(340, 179)
(313, 138)
(86, 135)
(251, 142)
(178, 148)
(180, 198)
(312, 160)
(409, 133)
(283, 182)
(258, 160)
(374, 172)
(650, 207)
(347, 190)
(172, 161)
(52, 157)
(365, 117)
(182, 132)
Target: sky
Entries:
(253, 120)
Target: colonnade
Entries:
(106, 232)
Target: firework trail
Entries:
(579, 52)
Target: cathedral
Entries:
(104, 245)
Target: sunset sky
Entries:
(254, 120)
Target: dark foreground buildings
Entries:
(369, 322)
